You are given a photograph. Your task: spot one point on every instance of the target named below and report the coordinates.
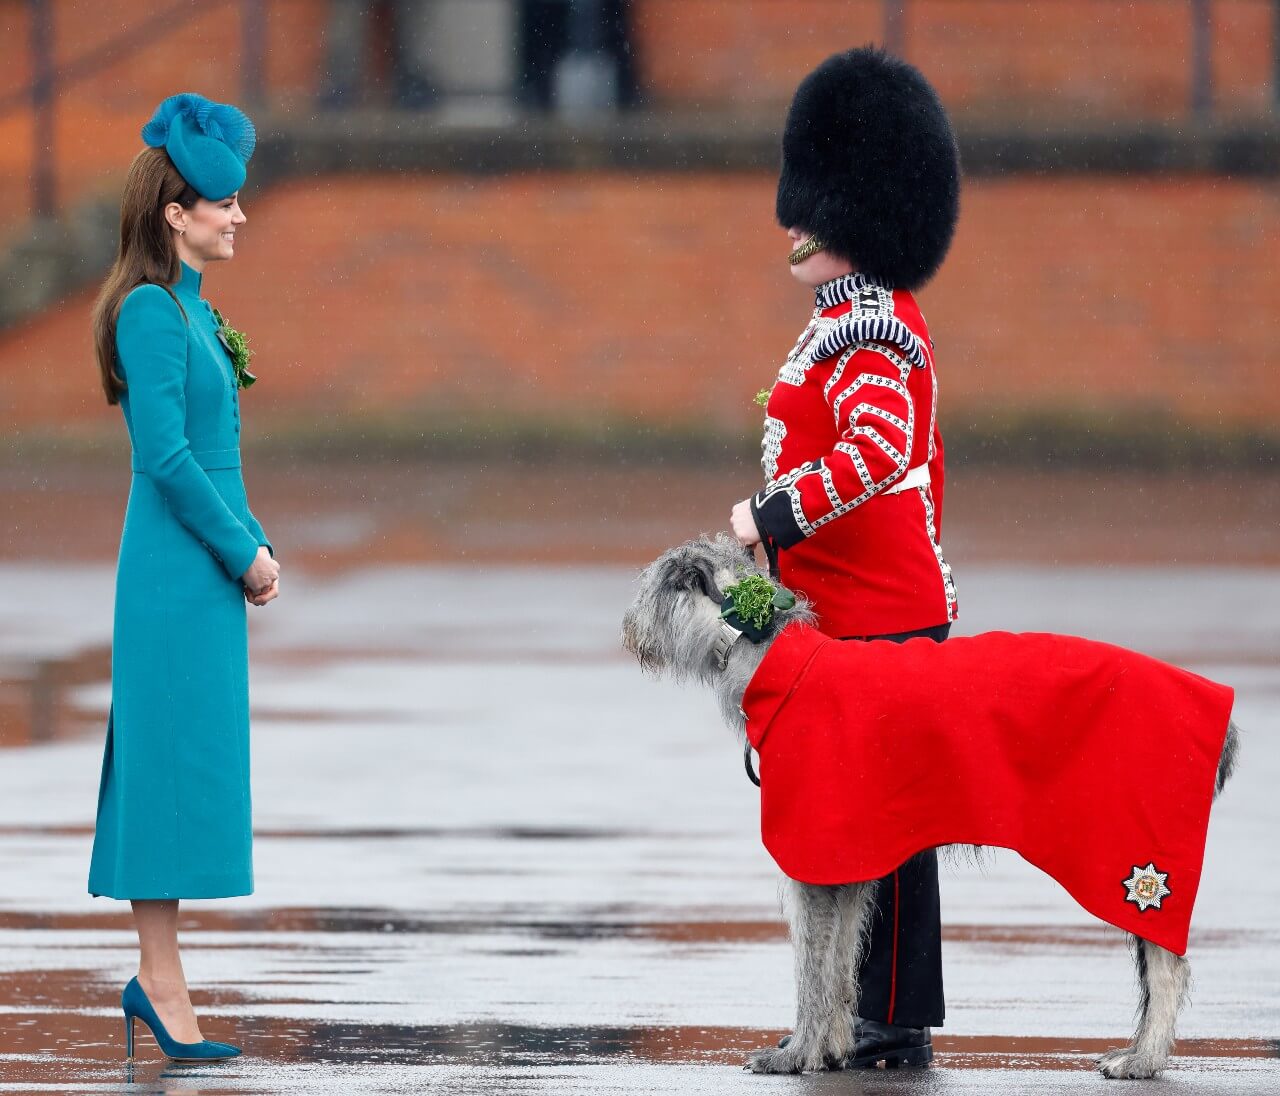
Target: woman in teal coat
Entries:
(173, 807)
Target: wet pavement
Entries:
(492, 857)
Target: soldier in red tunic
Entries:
(853, 459)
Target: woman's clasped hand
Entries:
(262, 579)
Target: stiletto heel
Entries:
(136, 1005)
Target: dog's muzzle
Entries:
(633, 644)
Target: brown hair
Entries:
(147, 252)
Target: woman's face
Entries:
(819, 268)
(207, 231)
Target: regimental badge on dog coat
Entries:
(870, 752)
(1146, 887)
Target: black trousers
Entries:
(900, 980)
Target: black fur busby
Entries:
(870, 166)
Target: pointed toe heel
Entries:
(137, 1006)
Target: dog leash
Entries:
(767, 542)
(771, 554)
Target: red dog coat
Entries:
(1095, 763)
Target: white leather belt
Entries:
(915, 477)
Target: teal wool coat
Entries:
(173, 804)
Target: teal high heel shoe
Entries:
(137, 1007)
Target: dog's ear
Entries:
(695, 572)
(706, 580)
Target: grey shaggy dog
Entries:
(672, 627)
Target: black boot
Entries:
(891, 1044)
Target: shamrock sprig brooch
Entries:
(750, 603)
(237, 348)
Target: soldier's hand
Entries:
(744, 525)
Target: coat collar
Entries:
(189, 280)
(846, 288)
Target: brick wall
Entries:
(667, 299)
(1063, 60)
(1055, 62)
(194, 48)
(97, 119)
(1094, 55)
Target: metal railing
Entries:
(1200, 61)
(48, 80)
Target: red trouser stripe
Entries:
(893, 969)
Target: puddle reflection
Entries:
(34, 697)
(336, 921)
(96, 1039)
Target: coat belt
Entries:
(208, 459)
(916, 477)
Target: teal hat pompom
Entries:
(209, 143)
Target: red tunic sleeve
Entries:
(875, 423)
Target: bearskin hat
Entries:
(870, 166)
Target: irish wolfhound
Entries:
(675, 627)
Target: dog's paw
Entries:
(1126, 1064)
(788, 1059)
(1113, 1055)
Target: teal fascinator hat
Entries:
(209, 143)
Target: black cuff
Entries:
(774, 519)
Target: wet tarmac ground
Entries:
(492, 857)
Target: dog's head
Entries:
(674, 621)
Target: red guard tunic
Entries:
(853, 465)
(1095, 763)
